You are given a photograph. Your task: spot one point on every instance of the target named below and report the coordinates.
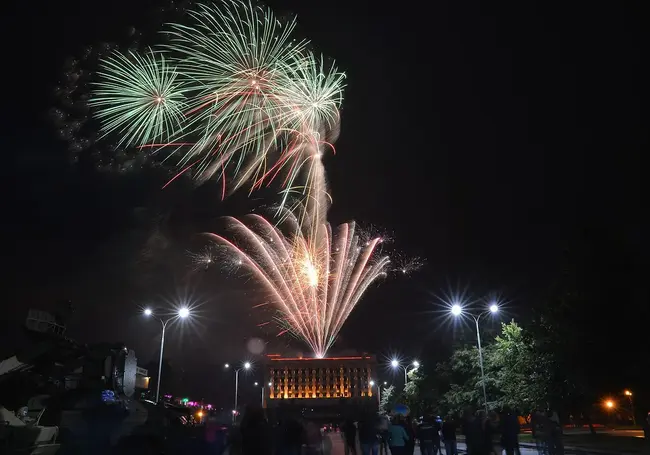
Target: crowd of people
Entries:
(371, 434)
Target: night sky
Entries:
(501, 143)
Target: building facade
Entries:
(306, 381)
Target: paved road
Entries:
(337, 448)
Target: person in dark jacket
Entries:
(449, 435)
(429, 436)
(255, 433)
(510, 430)
(349, 431)
(369, 435)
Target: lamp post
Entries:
(628, 394)
(457, 311)
(182, 313)
(372, 384)
(395, 364)
(245, 366)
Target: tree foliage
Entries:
(388, 400)
(516, 374)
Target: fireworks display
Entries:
(232, 94)
(140, 97)
(313, 282)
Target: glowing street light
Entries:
(245, 366)
(609, 404)
(456, 311)
(395, 364)
(372, 384)
(182, 313)
(628, 394)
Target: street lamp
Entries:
(245, 366)
(395, 364)
(457, 311)
(372, 384)
(628, 394)
(182, 313)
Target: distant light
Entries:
(227, 365)
(385, 382)
(456, 310)
(184, 312)
(494, 308)
(628, 393)
(270, 384)
(148, 312)
(609, 404)
(372, 383)
(234, 412)
(200, 414)
(256, 384)
(416, 364)
(247, 365)
(394, 363)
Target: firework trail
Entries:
(233, 95)
(313, 282)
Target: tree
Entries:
(516, 374)
(388, 399)
(521, 373)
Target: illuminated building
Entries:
(311, 382)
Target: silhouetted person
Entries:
(410, 428)
(473, 431)
(449, 436)
(510, 431)
(369, 435)
(255, 433)
(349, 431)
(290, 437)
(429, 436)
(539, 427)
(553, 434)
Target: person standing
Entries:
(368, 435)
(410, 427)
(538, 426)
(510, 430)
(349, 431)
(397, 437)
(427, 434)
(449, 436)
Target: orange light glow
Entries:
(609, 404)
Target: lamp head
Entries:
(394, 363)
(494, 308)
(456, 310)
(147, 312)
(183, 312)
(247, 366)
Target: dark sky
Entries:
(501, 143)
